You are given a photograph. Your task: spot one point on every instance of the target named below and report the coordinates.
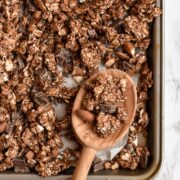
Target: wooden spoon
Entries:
(89, 139)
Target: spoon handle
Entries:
(84, 163)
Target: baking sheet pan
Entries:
(155, 108)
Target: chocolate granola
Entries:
(42, 43)
(109, 96)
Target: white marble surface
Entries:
(171, 166)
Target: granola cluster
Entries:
(42, 44)
(130, 157)
(105, 98)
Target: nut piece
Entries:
(129, 48)
(78, 79)
(85, 115)
(115, 166)
(3, 126)
(77, 71)
(37, 14)
(77, 74)
(8, 65)
(107, 165)
(110, 60)
(29, 155)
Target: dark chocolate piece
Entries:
(143, 160)
(20, 166)
(98, 166)
(108, 108)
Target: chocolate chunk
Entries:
(43, 74)
(15, 117)
(92, 33)
(143, 160)
(20, 166)
(98, 166)
(64, 54)
(21, 64)
(30, 5)
(9, 127)
(40, 98)
(108, 108)
(130, 147)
